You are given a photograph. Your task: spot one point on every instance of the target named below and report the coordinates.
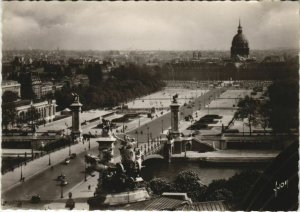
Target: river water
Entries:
(207, 174)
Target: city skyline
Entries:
(147, 25)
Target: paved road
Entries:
(164, 122)
(44, 183)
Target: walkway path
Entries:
(80, 194)
(11, 179)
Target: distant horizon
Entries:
(149, 50)
(172, 26)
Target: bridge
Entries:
(155, 149)
(153, 156)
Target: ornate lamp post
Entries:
(61, 190)
(21, 178)
(25, 155)
(208, 105)
(68, 139)
(148, 136)
(69, 147)
(85, 169)
(49, 159)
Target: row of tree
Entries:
(233, 190)
(279, 111)
(123, 84)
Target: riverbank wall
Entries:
(227, 157)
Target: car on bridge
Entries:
(196, 132)
(67, 161)
(73, 155)
(61, 177)
(35, 198)
(63, 183)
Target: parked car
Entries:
(196, 132)
(67, 161)
(35, 198)
(73, 155)
(61, 177)
(64, 183)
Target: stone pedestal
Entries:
(105, 200)
(178, 149)
(175, 119)
(76, 124)
(106, 144)
(168, 150)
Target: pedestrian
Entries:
(89, 187)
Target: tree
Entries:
(216, 185)
(283, 105)
(264, 113)
(159, 186)
(124, 83)
(189, 182)
(9, 96)
(33, 114)
(220, 194)
(26, 86)
(94, 73)
(241, 183)
(9, 114)
(247, 109)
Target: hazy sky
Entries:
(148, 25)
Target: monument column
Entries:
(175, 117)
(174, 144)
(76, 124)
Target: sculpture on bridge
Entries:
(175, 97)
(106, 129)
(117, 177)
(75, 97)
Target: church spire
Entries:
(239, 27)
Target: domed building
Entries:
(239, 47)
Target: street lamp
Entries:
(208, 105)
(49, 159)
(25, 155)
(21, 178)
(69, 147)
(85, 169)
(89, 143)
(61, 190)
(148, 136)
(162, 126)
